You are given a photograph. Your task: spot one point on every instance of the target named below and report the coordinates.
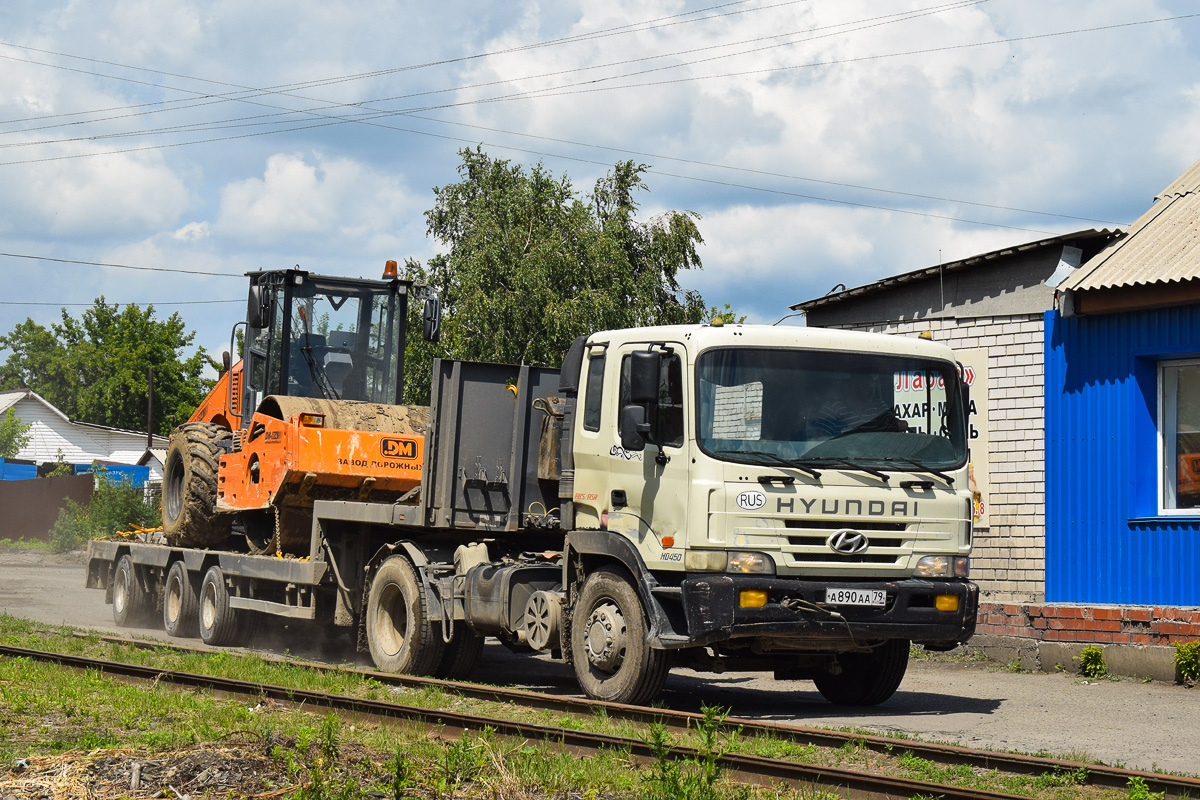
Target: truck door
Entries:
(644, 493)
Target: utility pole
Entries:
(150, 410)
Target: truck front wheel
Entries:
(400, 634)
(612, 659)
(865, 679)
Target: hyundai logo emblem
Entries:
(847, 542)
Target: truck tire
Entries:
(866, 679)
(612, 659)
(219, 623)
(460, 654)
(190, 486)
(130, 602)
(400, 634)
(181, 607)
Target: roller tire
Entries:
(400, 634)
(866, 679)
(219, 623)
(460, 654)
(130, 602)
(190, 486)
(642, 670)
(181, 603)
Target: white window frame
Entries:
(1167, 421)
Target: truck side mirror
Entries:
(644, 367)
(431, 318)
(258, 312)
(634, 428)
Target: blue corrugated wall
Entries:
(1105, 542)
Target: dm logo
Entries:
(398, 448)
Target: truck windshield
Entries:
(828, 409)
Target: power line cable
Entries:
(327, 105)
(695, 78)
(121, 266)
(283, 88)
(178, 303)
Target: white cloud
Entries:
(114, 193)
(311, 197)
(193, 231)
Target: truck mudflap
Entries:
(796, 609)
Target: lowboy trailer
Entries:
(714, 496)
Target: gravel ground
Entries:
(1124, 722)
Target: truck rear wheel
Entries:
(219, 623)
(181, 607)
(612, 659)
(190, 486)
(130, 602)
(460, 654)
(866, 679)
(400, 634)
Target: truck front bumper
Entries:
(796, 610)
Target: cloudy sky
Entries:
(821, 141)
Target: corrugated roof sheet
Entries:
(949, 266)
(1163, 246)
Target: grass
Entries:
(49, 711)
(26, 544)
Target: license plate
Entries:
(856, 597)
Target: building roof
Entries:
(924, 273)
(1162, 246)
(10, 397)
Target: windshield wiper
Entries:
(794, 463)
(919, 467)
(850, 463)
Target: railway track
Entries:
(745, 768)
(1013, 763)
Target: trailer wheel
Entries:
(190, 486)
(460, 654)
(866, 679)
(400, 634)
(130, 602)
(181, 607)
(219, 623)
(612, 659)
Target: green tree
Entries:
(95, 368)
(14, 434)
(531, 265)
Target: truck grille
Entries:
(807, 539)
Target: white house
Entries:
(51, 432)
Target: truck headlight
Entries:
(746, 563)
(943, 567)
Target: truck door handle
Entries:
(618, 498)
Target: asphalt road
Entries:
(1125, 722)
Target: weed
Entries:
(1091, 662)
(1187, 661)
(461, 762)
(1061, 777)
(1138, 790)
(402, 779)
(692, 778)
